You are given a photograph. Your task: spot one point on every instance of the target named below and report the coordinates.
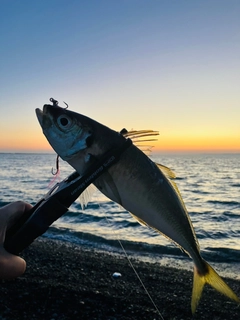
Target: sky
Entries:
(170, 66)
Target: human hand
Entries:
(11, 266)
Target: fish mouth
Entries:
(39, 114)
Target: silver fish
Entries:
(141, 186)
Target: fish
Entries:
(144, 188)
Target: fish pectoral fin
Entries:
(86, 195)
(106, 185)
(213, 279)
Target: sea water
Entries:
(210, 188)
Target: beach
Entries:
(68, 281)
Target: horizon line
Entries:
(158, 151)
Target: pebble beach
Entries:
(68, 281)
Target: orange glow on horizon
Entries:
(21, 144)
(22, 140)
(198, 144)
(38, 143)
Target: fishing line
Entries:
(131, 265)
(140, 280)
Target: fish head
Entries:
(74, 136)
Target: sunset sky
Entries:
(171, 66)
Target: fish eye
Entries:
(64, 122)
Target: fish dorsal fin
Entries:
(166, 171)
(86, 195)
(169, 174)
(173, 183)
(140, 137)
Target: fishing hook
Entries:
(54, 102)
(57, 167)
(65, 104)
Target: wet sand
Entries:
(66, 281)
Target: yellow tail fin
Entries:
(211, 277)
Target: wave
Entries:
(224, 203)
(235, 185)
(231, 215)
(141, 249)
(92, 240)
(222, 254)
(198, 191)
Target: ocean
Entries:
(210, 187)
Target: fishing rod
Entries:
(56, 202)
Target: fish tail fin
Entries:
(211, 277)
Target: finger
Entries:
(9, 214)
(13, 211)
(11, 266)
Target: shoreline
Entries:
(68, 281)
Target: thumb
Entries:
(11, 266)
